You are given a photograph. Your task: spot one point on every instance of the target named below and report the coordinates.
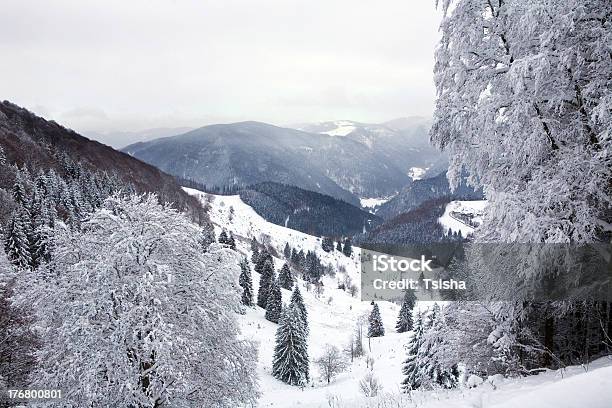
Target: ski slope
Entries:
(332, 319)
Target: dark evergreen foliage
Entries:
(246, 282)
(274, 303)
(285, 278)
(375, 324)
(267, 274)
(404, 320)
(291, 364)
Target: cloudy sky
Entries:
(109, 65)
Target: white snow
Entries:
(343, 128)
(416, 173)
(374, 201)
(473, 208)
(332, 317)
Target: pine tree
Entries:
(347, 250)
(298, 302)
(231, 241)
(404, 320)
(290, 363)
(287, 252)
(267, 274)
(285, 278)
(263, 257)
(412, 365)
(207, 237)
(2, 157)
(223, 237)
(274, 304)
(255, 250)
(339, 246)
(375, 324)
(16, 243)
(246, 282)
(327, 244)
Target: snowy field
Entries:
(473, 209)
(332, 318)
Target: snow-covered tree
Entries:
(404, 320)
(274, 303)
(254, 250)
(285, 278)
(267, 275)
(298, 301)
(16, 242)
(290, 363)
(223, 238)
(413, 365)
(347, 248)
(134, 314)
(339, 246)
(375, 324)
(331, 362)
(18, 342)
(523, 106)
(327, 244)
(287, 252)
(231, 241)
(207, 237)
(246, 282)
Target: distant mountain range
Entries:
(120, 139)
(367, 161)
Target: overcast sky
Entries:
(109, 65)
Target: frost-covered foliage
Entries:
(274, 303)
(246, 282)
(17, 340)
(134, 314)
(525, 106)
(285, 278)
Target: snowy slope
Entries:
(332, 318)
(470, 209)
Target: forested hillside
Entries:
(307, 211)
(33, 143)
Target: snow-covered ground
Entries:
(416, 173)
(472, 209)
(332, 319)
(343, 128)
(371, 204)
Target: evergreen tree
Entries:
(2, 157)
(404, 320)
(339, 246)
(287, 252)
(246, 282)
(267, 274)
(16, 243)
(19, 191)
(223, 238)
(207, 237)
(327, 244)
(285, 278)
(274, 304)
(412, 364)
(231, 241)
(255, 250)
(290, 363)
(263, 257)
(434, 351)
(347, 250)
(375, 324)
(298, 302)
